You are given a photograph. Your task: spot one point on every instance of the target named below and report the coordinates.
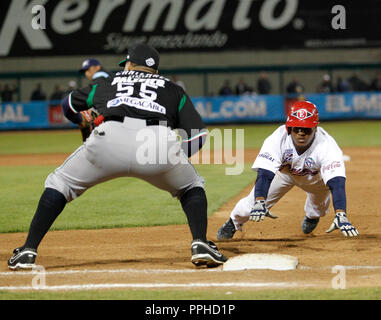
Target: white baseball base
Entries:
(261, 261)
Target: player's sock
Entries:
(51, 204)
(195, 206)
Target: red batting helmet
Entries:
(302, 114)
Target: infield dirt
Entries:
(152, 255)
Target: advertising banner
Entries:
(47, 27)
(33, 115)
(56, 116)
(261, 108)
(23, 115)
(213, 110)
(273, 108)
(356, 105)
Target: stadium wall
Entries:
(194, 83)
(213, 110)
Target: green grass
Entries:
(346, 134)
(123, 202)
(228, 294)
(355, 133)
(352, 133)
(39, 142)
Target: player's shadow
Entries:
(237, 246)
(239, 249)
(109, 262)
(266, 240)
(94, 263)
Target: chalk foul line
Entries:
(98, 286)
(161, 271)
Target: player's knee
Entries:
(242, 208)
(198, 182)
(58, 182)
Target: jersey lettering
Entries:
(146, 93)
(132, 80)
(267, 156)
(301, 172)
(126, 86)
(332, 166)
(124, 89)
(142, 104)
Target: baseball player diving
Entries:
(302, 154)
(140, 111)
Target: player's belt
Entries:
(149, 122)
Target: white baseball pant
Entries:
(316, 205)
(128, 149)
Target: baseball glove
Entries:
(87, 125)
(260, 211)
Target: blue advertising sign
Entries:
(32, 115)
(24, 115)
(250, 108)
(354, 105)
(213, 110)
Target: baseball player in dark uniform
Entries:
(141, 109)
(92, 69)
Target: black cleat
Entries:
(206, 253)
(23, 258)
(226, 232)
(308, 224)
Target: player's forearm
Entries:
(339, 199)
(262, 184)
(69, 113)
(194, 144)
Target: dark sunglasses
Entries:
(306, 131)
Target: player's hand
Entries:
(341, 222)
(259, 211)
(87, 125)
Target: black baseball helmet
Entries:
(142, 54)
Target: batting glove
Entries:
(259, 211)
(341, 222)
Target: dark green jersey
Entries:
(140, 95)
